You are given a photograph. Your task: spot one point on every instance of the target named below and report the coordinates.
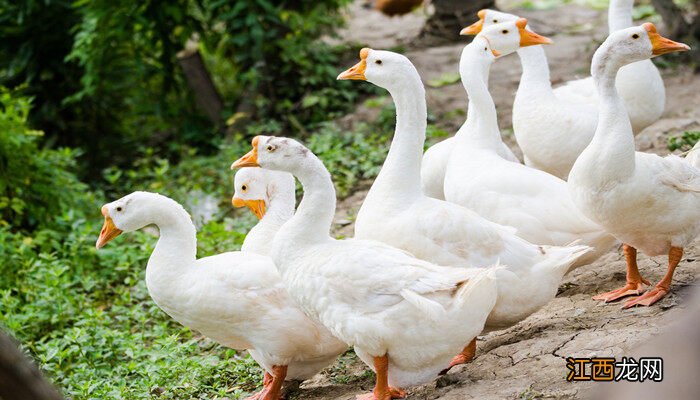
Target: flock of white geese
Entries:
(450, 243)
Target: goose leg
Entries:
(267, 380)
(274, 389)
(635, 282)
(382, 390)
(462, 358)
(664, 286)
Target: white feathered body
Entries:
(238, 300)
(656, 207)
(451, 235)
(383, 301)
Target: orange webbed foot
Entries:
(630, 289)
(464, 357)
(647, 298)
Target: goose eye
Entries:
(486, 49)
(635, 36)
(244, 188)
(119, 208)
(270, 148)
(378, 62)
(495, 21)
(505, 31)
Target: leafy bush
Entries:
(106, 78)
(36, 184)
(285, 71)
(87, 318)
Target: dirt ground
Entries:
(528, 360)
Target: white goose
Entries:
(536, 203)
(435, 159)
(650, 203)
(553, 126)
(393, 308)
(397, 213)
(270, 196)
(235, 298)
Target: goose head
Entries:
(479, 52)
(383, 68)
(256, 187)
(633, 44)
(130, 213)
(488, 17)
(507, 37)
(275, 153)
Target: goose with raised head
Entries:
(534, 202)
(270, 196)
(650, 203)
(392, 307)
(235, 298)
(553, 126)
(434, 161)
(397, 213)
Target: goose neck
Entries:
(176, 251)
(400, 173)
(474, 73)
(280, 208)
(535, 74)
(312, 221)
(613, 142)
(620, 14)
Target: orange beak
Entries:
(528, 38)
(256, 206)
(357, 71)
(660, 45)
(250, 159)
(476, 27)
(495, 53)
(108, 232)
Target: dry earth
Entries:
(528, 360)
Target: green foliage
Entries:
(36, 184)
(284, 70)
(106, 78)
(84, 315)
(35, 43)
(87, 318)
(683, 142)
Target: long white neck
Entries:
(475, 74)
(279, 209)
(620, 14)
(400, 174)
(535, 78)
(612, 150)
(312, 221)
(176, 250)
(472, 116)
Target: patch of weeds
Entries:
(340, 372)
(684, 141)
(530, 394)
